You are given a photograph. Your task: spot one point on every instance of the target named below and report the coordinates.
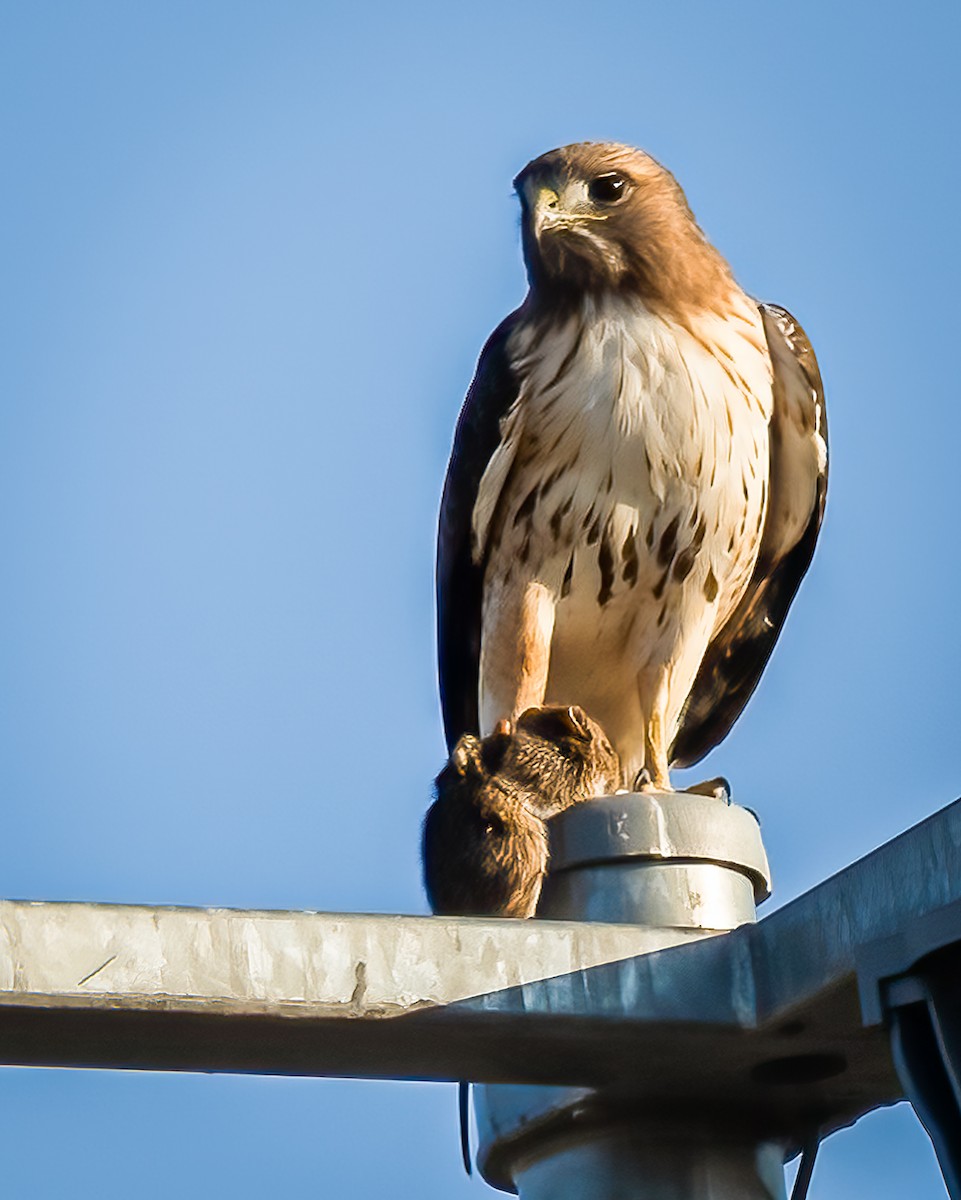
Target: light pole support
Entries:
(674, 865)
(784, 1018)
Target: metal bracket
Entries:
(923, 1010)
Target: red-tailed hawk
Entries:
(637, 480)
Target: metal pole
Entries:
(631, 1165)
(672, 864)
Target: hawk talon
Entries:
(643, 781)
(718, 788)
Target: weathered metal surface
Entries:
(679, 895)
(331, 964)
(655, 825)
(288, 993)
(769, 1014)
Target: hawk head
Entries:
(599, 217)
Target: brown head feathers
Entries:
(599, 218)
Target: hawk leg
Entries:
(655, 753)
(515, 653)
(652, 775)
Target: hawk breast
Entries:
(631, 481)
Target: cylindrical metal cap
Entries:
(657, 826)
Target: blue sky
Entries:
(249, 254)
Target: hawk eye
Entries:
(607, 189)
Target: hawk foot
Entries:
(718, 787)
(644, 781)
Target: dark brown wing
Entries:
(798, 486)
(459, 580)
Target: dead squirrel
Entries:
(485, 840)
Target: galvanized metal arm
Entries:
(783, 1019)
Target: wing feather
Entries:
(460, 579)
(798, 479)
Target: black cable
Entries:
(463, 1112)
(806, 1169)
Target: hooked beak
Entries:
(549, 214)
(547, 209)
